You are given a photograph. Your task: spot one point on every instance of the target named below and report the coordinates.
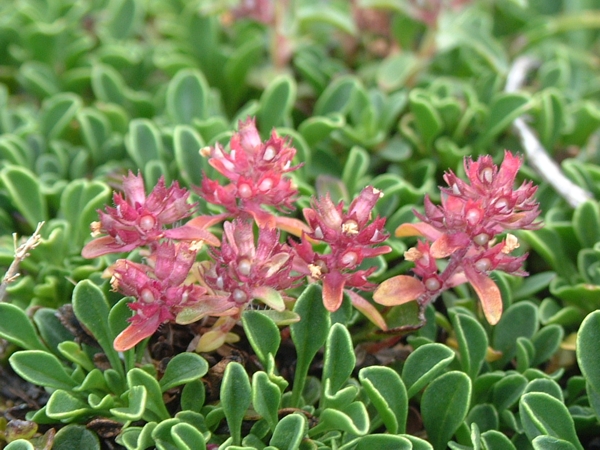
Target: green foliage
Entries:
(385, 94)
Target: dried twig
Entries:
(21, 252)
(537, 156)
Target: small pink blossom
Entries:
(465, 228)
(352, 237)
(159, 291)
(242, 270)
(245, 270)
(257, 177)
(137, 220)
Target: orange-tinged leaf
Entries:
(418, 229)
(135, 333)
(441, 247)
(292, 225)
(398, 290)
(367, 309)
(333, 290)
(488, 293)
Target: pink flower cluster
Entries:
(172, 285)
(465, 229)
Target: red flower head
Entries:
(159, 291)
(256, 173)
(137, 220)
(244, 270)
(351, 237)
(464, 227)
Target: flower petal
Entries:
(103, 246)
(418, 229)
(448, 244)
(488, 293)
(367, 309)
(333, 290)
(398, 290)
(135, 333)
(192, 233)
(291, 225)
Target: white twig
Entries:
(538, 158)
(21, 252)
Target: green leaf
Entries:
(186, 146)
(95, 131)
(472, 343)
(187, 97)
(79, 203)
(548, 386)
(162, 437)
(587, 349)
(236, 396)
(505, 107)
(387, 393)
(546, 342)
(276, 103)
(586, 223)
(41, 368)
(58, 112)
(395, 69)
(183, 368)
(193, 396)
(289, 432)
(495, 440)
(352, 419)
(143, 142)
(355, 169)
(262, 334)
(308, 335)
(92, 310)
(64, 406)
(485, 416)
(75, 437)
(20, 444)
(50, 327)
(525, 353)
(93, 382)
(266, 397)
(552, 117)
(337, 97)
(519, 320)
(508, 390)
(382, 442)
(326, 13)
(542, 414)
(155, 406)
(186, 436)
(124, 17)
(551, 443)
(339, 357)
(16, 327)
(137, 438)
(427, 119)
(315, 129)
(39, 78)
(25, 193)
(424, 364)
(108, 84)
(444, 406)
(118, 320)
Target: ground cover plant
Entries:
(299, 225)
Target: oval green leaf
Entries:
(444, 406)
